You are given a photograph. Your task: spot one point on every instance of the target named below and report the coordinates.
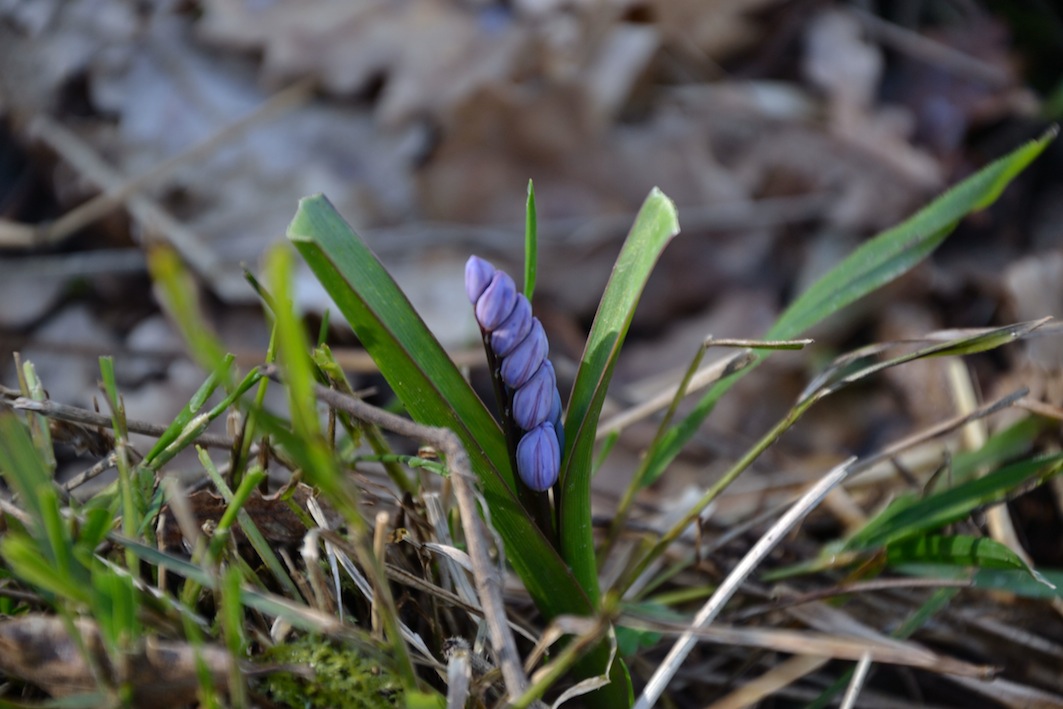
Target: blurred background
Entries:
(786, 132)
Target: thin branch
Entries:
(84, 417)
(115, 194)
(157, 221)
(930, 51)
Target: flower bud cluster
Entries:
(519, 343)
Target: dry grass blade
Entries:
(857, 682)
(156, 220)
(825, 645)
(1012, 694)
(459, 672)
(702, 378)
(486, 575)
(771, 682)
(683, 646)
(99, 206)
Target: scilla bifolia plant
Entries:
(553, 551)
(524, 381)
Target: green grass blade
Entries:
(655, 226)
(531, 243)
(846, 372)
(1047, 584)
(431, 388)
(20, 465)
(38, 424)
(250, 529)
(26, 559)
(959, 550)
(173, 431)
(178, 293)
(1003, 446)
(908, 517)
(879, 261)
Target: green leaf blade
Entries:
(909, 517)
(655, 226)
(958, 550)
(880, 260)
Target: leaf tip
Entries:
(665, 203)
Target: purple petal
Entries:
(526, 357)
(539, 457)
(478, 274)
(516, 327)
(532, 402)
(497, 301)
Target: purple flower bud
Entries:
(478, 274)
(497, 301)
(526, 357)
(516, 327)
(539, 457)
(532, 402)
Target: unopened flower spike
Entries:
(517, 345)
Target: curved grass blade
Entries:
(431, 388)
(908, 517)
(848, 368)
(877, 262)
(958, 550)
(655, 225)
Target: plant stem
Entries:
(713, 492)
(536, 503)
(638, 481)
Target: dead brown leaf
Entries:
(270, 513)
(37, 649)
(427, 53)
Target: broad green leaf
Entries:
(431, 388)
(959, 550)
(877, 262)
(908, 517)
(655, 226)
